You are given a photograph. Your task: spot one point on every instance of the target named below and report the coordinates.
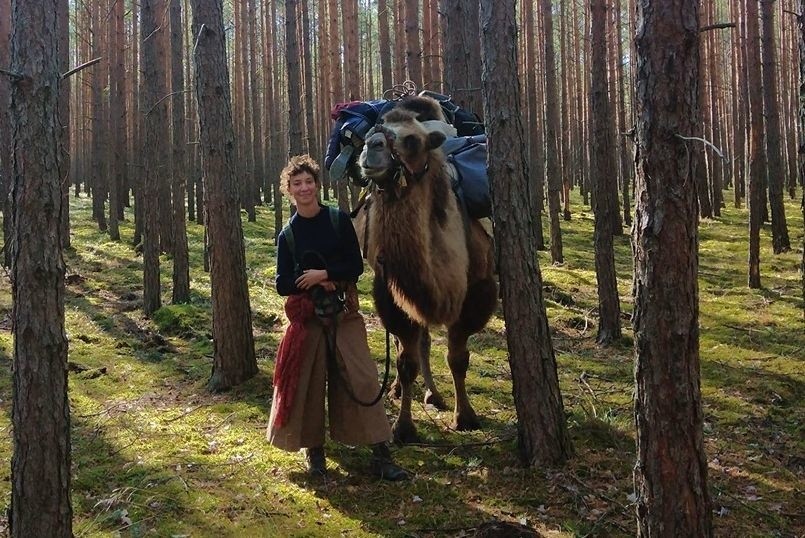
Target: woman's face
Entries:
(303, 188)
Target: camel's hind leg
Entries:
(476, 311)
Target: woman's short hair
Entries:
(297, 165)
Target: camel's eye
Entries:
(411, 143)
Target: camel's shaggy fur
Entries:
(432, 264)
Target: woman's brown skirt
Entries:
(350, 423)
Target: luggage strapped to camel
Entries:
(465, 152)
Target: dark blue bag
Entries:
(468, 155)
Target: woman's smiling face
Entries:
(303, 188)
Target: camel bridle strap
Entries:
(332, 356)
(398, 170)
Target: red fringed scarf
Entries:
(299, 309)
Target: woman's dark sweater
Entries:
(340, 252)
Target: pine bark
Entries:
(153, 89)
(295, 109)
(384, 44)
(40, 466)
(5, 129)
(413, 50)
(63, 31)
(757, 142)
(542, 431)
(774, 150)
(605, 180)
(181, 262)
(552, 168)
(801, 43)
(534, 110)
(671, 471)
(234, 359)
(462, 54)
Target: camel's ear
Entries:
(435, 139)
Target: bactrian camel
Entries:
(433, 265)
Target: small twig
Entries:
(165, 97)
(78, 68)
(707, 142)
(12, 74)
(794, 13)
(201, 29)
(192, 409)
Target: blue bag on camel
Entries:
(467, 154)
(354, 119)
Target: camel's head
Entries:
(399, 149)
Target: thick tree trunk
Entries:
(671, 471)
(63, 31)
(234, 360)
(40, 467)
(542, 431)
(774, 151)
(605, 180)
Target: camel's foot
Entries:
(435, 399)
(466, 421)
(404, 432)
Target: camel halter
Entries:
(401, 174)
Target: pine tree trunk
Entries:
(534, 109)
(552, 169)
(5, 130)
(771, 109)
(542, 431)
(181, 262)
(462, 53)
(63, 31)
(234, 360)
(40, 466)
(413, 50)
(671, 471)
(757, 142)
(153, 89)
(295, 109)
(801, 42)
(605, 179)
(384, 44)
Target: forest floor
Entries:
(155, 454)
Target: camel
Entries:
(433, 265)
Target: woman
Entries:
(317, 255)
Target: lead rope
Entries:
(332, 355)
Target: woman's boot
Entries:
(383, 465)
(316, 464)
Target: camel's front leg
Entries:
(409, 335)
(458, 357)
(407, 368)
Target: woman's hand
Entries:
(310, 278)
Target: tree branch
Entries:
(76, 69)
(707, 142)
(12, 74)
(717, 26)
